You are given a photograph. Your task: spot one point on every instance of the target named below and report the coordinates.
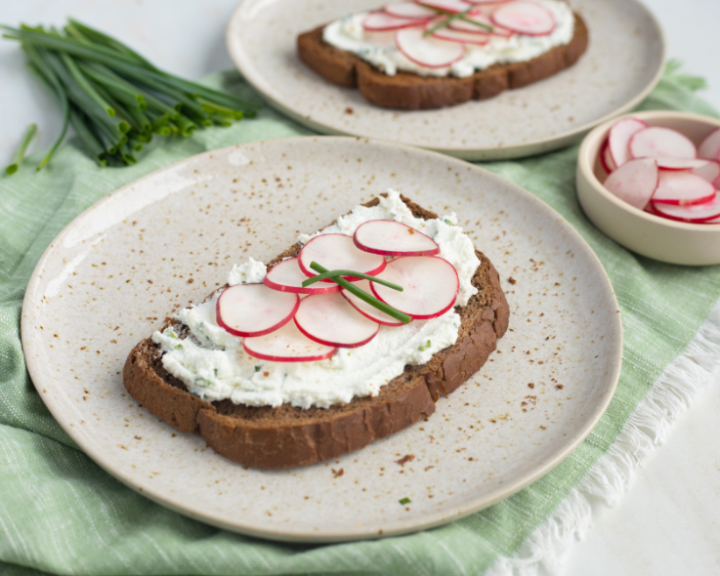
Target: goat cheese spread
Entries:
(214, 365)
(378, 48)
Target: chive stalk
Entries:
(352, 273)
(20, 152)
(350, 287)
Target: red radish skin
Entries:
(710, 147)
(710, 172)
(698, 214)
(254, 309)
(367, 309)
(659, 142)
(634, 182)
(605, 159)
(331, 320)
(430, 286)
(338, 252)
(287, 344)
(452, 6)
(680, 163)
(682, 188)
(391, 238)
(427, 52)
(286, 276)
(380, 22)
(525, 18)
(619, 139)
(411, 10)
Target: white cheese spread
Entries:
(213, 364)
(378, 48)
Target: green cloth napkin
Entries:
(60, 513)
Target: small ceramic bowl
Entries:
(641, 232)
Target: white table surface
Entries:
(669, 522)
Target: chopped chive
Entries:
(20, 152)
(404, 501)
(350, 287)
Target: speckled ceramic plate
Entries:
(624, 61)
(168, 239)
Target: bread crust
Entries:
(409, 91)
(287, 436)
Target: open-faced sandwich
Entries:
(435, 53)
(348, 336)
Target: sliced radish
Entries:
(331, 320)
(711, 172)
(710, 146)
(380, 21)
(487, 2)
(452, 6)
(680, 163)
(462, 37)
(286, 276)
(430, 286)
(634, 182)
(338, 252)
(682, 188)
(524, 18)
(605, 158)
(429, 52)
(619, 139)
(368, 310)
(659, 142)
(464, 26)
(254, 309)
(699, 213)
(390, 238)
(411, 10)
(287, 344)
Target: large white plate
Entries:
(624, 61)
(112, 275)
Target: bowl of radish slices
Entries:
(650, 180)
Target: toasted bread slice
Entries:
(409, 91)
(286, 436)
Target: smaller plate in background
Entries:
(624, 61)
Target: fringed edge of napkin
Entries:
(545, 549)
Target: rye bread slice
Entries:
(409, 91)
(286, 436)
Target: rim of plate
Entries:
(31, 342)
(468, 152)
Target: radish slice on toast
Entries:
(619, 139)
(411, 10)
(452, 6)
(380, 21)
(430, 286)
(698, 214)
(711, 172)
(710, 147)
(331, 320)
(287, 344)
(254, 309)
(338, 252)
(391, 238)
(464, 26)
(524, 18)
(462, 37)
(659, 142)
(429, 52)
(680, 163)
(682, 188)
(369, 310)
(634, 182)
(286, 276)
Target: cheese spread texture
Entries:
(378, 48)
(214, 365)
